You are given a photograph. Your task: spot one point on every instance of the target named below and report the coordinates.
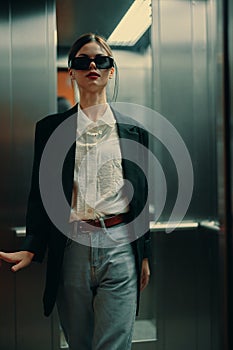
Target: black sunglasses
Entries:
(83, 63)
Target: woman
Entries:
(96, 274)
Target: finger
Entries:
(144, 285)
(20, 265)
(8, 257)
(144, 281)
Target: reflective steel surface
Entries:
(28, 92)
(184, 90)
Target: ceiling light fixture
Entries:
(133, 25)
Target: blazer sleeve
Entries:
(36, 218)
(147, 235)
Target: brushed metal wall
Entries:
(187, 89)
(225, 122)
(28, 92)
(230, 42)
(183, 48)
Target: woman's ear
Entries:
(71, 73)
(111, 72)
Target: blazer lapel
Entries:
(69, 162)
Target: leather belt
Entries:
(89, 225)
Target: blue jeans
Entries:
(97, 295)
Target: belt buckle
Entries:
(86, 226)
(79, 227)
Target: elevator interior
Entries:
(176, 69)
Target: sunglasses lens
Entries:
(80, 63)
(83, 63)
(104, 62)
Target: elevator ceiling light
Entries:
(133, 25)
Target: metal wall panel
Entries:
(5, 116)
(34, 96)
(225, 157)
(28, 92)
(181, 46)
(187, 289)
(33, 85)
(187, 92)
(7, 281)
(230, 42)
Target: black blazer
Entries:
(41, 233)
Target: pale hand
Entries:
(145, 274)
(20, 259)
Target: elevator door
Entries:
(28, 92)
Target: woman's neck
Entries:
(93, 105)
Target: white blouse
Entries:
(98, 176)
